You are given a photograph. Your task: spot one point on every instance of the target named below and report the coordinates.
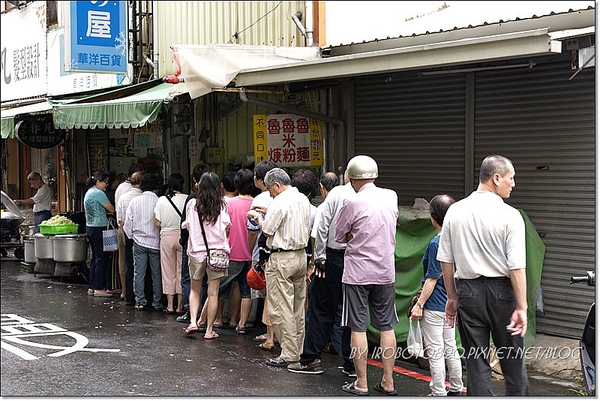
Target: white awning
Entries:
(512, 45)
(8, 115)
(215, 66)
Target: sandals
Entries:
(168, 311)
(240, 330)
(266, 347)
(212, 337)
(190, 330)
(140, 306)
(349, 388)
(379, 388)
(260, 338)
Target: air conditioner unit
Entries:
(183, 119)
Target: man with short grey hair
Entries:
(325, 290)
(287, 230)
(41, 201)
(127, 284)
(484, 238)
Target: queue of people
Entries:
(331, 288)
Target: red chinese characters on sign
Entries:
(292, 140)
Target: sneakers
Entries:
(313, 368)
(185, 318)
(455, 394)
(349, 372)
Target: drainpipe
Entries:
(154, 39)
(310, 41)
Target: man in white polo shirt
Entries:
(484, 238)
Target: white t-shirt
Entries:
(122, 188)
(166, 213)
(42, 199)
(483, 236)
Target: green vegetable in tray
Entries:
(57, 220)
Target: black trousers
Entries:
(485, 306)
(325, 294)
(129, 295)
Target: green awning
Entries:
(8, 116)
(130, 111)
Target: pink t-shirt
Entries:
(238, 235)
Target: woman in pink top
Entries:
(240, 260)
(208, 210)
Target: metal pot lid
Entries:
(40, 235)
(70, 236)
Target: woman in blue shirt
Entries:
(96, 206)
(438, 338)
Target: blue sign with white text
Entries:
(98, 36)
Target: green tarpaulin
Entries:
(413, 233)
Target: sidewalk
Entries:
(556, 357)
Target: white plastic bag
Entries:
(414, 342)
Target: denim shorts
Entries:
(237, 274)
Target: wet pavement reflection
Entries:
(58, 341)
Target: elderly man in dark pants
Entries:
(326, 287)
(484, 238)
(41, 201)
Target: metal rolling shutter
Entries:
(545, 124)
(414, 127)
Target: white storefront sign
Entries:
(24, 56)
(61, 82)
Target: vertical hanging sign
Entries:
(259, 124)
(96, 40)
(316, 143)
(288, 140)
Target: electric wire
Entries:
(237, 34)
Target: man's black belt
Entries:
(42, 212)
(286, 250)
(336, 250)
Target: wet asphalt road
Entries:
(135, 353)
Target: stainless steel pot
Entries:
(70, 248)
(43, 246)
(29, 249)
